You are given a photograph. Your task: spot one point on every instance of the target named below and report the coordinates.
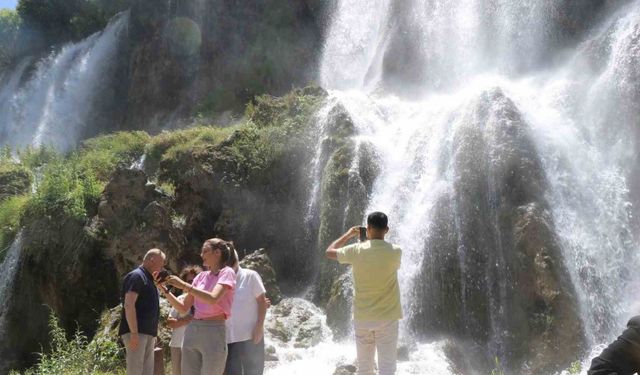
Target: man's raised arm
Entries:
(332, 250)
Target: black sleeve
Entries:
(133, 283)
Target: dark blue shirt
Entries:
(140, 281)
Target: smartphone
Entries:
(363, 234)
(161, 277)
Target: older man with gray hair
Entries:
(141, 313)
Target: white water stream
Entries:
(52, 104)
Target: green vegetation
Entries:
(67, 187)
(104, 154)
(246, 154)
(11, 210)
(78, 356)
(168, 144)
(575, 368)
(10, 25)
(47, 184)
(70, 186)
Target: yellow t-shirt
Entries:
(375, 266)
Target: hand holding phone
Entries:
(363, 234)
(161, 276)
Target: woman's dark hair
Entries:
(189, 270)
(227, 251)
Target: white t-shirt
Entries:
(244, 310)
(177, 335)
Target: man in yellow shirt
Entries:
(376, 305)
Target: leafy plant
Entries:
(77, 356)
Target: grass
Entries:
(66, 187)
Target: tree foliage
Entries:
(62, 20)
(10, 25)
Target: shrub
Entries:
(64, 190)
(71, 186)
(78, 356)
(34, 158)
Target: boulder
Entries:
(295, 322)
(133, 217)
(259, 261)
(110, 321)
(345, 370)
(340, 305)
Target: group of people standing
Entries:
(218, 319)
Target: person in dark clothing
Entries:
(621, 357)
(141, 313)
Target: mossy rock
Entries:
(109, 324)
(340, 305)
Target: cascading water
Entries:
(482, 115)
(8, 270)
(52, 103)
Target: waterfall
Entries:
(8, 270)
(53, 103)
(484, 115)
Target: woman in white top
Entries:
(245, 328)
(178, 322)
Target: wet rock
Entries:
(110, 321)
(350, 169)
(296, 322)
(337, 158)
(259, 261)
(339, 307)
(58, 255)
(493, 245)
(345, 370)
(276, 40)
(134, 217)
(406, 345)
(270, 354)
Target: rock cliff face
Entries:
(493, 272)
(214, 56)
(133, 216)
